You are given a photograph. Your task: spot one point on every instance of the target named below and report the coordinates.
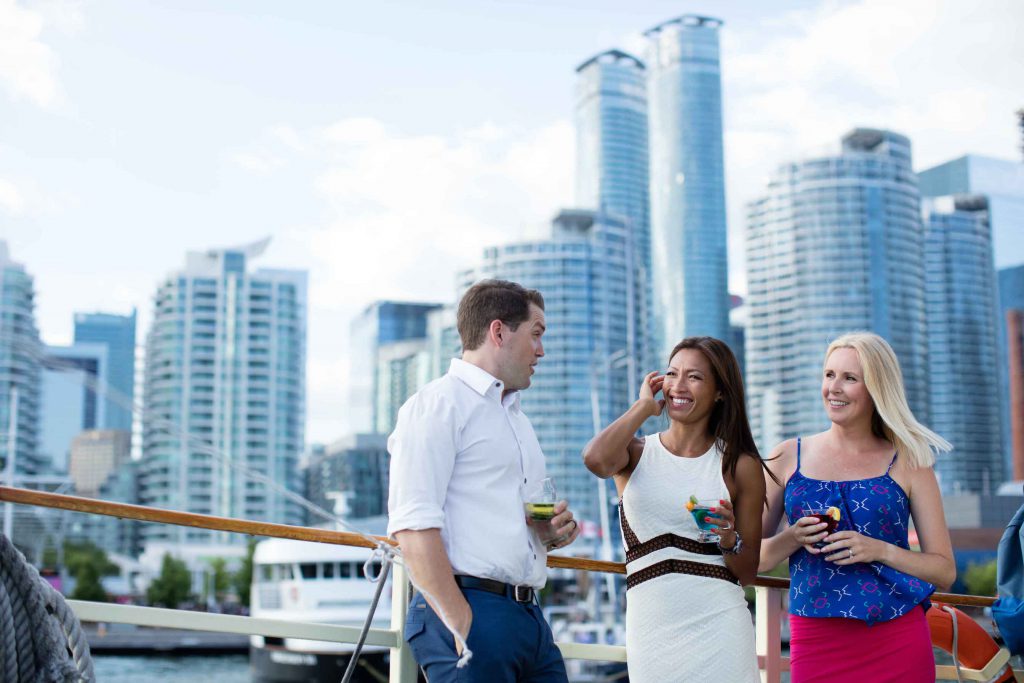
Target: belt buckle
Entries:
(522, 593)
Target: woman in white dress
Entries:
(686, 617)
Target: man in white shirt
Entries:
(462, 454)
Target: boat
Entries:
(314, 582)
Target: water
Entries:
(222, 668)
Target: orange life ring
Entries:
(975, 647)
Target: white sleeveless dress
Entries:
(680, 626)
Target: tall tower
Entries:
(225, 384)
(581, 271)
(834, 245)
(687, 181)
(612, 172)
(963, 359)
(21, 355)
(117, 333)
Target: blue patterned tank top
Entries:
(872, 592)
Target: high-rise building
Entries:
(834, 245)
(95, 455)
(350, 476)
(687, 181)
(402, 368)
(581, 271)
(1002, 183)
(225, 387)
(381, 323)
(612, 169)
(20, 365)
(962, 349)
(72, 388)
(1011, 305)
(117, 333)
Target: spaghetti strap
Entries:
(893, 462)
(798, 454)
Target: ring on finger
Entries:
(851, 552)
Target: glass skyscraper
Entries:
(582, 271)
(960, 307)
(72, 381)
(380, 323)
(225, 373)
(117, 332)
(1002, 183)
(20, 364)
(612, 169)
(687, 181)
(834, 245)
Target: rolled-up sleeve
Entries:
(422, 449)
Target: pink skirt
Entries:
(848, 650)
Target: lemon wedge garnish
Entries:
(833, 512)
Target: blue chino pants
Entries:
(511, 643)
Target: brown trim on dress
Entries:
(672, 541)
(713, 571)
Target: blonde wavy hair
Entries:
(892, 419)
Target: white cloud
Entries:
(11, 198)
(406, 212)
(260, 163)
(28, 66)
(944, 73)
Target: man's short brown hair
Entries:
(490, 300)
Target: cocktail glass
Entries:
(701, 510)
(830, 515)
(539, 500)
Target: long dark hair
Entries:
(728, 421)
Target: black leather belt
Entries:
(517, 593)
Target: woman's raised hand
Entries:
(649, 389)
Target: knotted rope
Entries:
(41, 639)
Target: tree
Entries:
(173, 586)
(88, 563)
(242, 579)
(980, 579)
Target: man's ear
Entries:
(495, 331)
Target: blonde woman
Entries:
(857, 590)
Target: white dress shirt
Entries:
(460, 455)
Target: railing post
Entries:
(768, 610)
(403, 666)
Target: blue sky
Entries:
(383, 144)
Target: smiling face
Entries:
(521, 349)
(690, 389)
(843, 390)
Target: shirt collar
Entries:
(481, 381)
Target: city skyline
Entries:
(366, 192)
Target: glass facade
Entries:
(835, 244)
(350, 477)
(382, 322)
(20, 364)
(960, 307)
(71, 398)
(687, 181)
(582, 273)
(1002, 183)
(117, 332)
(612, 169)
(225, 374)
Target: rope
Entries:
(380, 579)
(41, 640)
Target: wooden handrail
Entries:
(303, 533)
